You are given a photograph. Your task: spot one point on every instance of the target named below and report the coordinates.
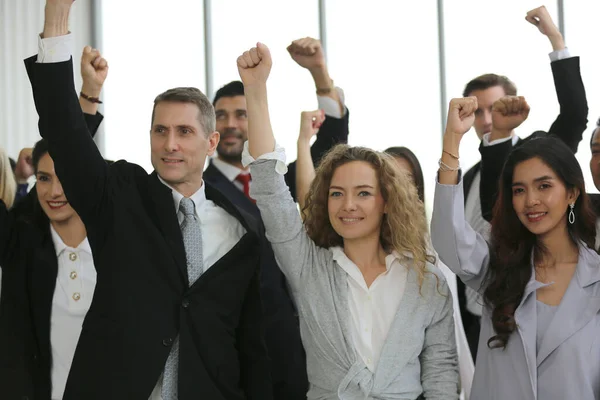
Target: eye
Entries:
(186, 131)
(159, 129)
(43, 178)
(478, 112)
(242, 114)
(518, 191)
(221, 117)
(545, 186)
(335, 194)
(364, 193)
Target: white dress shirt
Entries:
(75, 284)
(372, 309)
(220, 233)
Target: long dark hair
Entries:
(512, 243)
(417, 171)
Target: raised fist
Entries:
(94, 70)
(24, 167)
(509, 112)
(254, 65)
(307, 53)
(541, 18)
(461, 115)
(310, 122)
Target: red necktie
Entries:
(245, 179)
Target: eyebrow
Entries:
(43, 173)
(355, 187)
(596, 144)
(541, 178)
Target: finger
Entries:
(241, 62)
(103, 64)
(96, 62)
(264, 53)
(532, 20)
(255, 56)
(247, 59)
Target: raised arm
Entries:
(462, 249)
(79, 165)
(572, 119)
(308, 54)
(310, 122)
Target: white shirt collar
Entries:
(342, 259)
(198, 197)
(60, 246)
(230, 171)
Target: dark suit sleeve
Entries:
(255, 369)
(572, 119)
(568, 126)
(78, 163)
(93, 122)
(332, 132)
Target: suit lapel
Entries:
(580, 296)
(166, 217)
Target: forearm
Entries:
(56, 21)
(557, 41)
(260, 131)
(451, 144)
(305, 171)
(322, 80)
(88, 106)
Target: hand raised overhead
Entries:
(254, 65)
(308, 53)
(461, 115)
(509, 112)
(94, 70)
(310, 123)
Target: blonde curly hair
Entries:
(404, 227)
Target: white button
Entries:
(73, 275)
(76, 296)
(369, 297)
(72, 256)
(369, 360)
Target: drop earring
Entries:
(572, 214)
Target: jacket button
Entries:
(167, 342)
(185, 303)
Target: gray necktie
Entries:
(192, 240)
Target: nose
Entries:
(57, 190)
(349, 204)
(532, 200)
(171, 143)
(231, 121)
(487, 117)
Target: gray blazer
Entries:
(567, 365)
(419, 355)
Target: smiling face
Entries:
(355, 204)
(232, 124)
(540, 199)
(50, 193)
(180, 146)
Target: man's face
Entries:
(483, 114)
(595, 161)
(232, 124)
(179, 145)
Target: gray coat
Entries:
(567, 365)
(419, 355)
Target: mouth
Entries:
(171, 161)
(351, 221)
(536, 217)
(55, 205)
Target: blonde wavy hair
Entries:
(8, 185)
(404, 226)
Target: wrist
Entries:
(91, 89)
(303, 141)
(321, 77)
(451, 143)
(56, 21)
(557, 41)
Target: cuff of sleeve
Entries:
(278, 154)
(560, 54)
(330, 106)
(55, 49)
(486, 140)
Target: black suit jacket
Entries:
(568, 127)
(282, 332)
(142, 301)
(29, 265)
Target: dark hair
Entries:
(487, 81)
(39, 150)
(232, 89)
(417, 171)
(512, 243)
(594, 132)
(192, 95)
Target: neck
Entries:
(235, 161)
(72, 231)
(366, 253)
(560, 249)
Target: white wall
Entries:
(20, 23)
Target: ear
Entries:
(573, 195)
(213, 141)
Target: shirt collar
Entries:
(230, 171)
(60, 246)
(350, 267)
(198, 198)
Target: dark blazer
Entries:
(283, 341)
(29, 266)
(568, 126)
(142, 301)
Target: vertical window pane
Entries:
(581, 21)
(238, 24)
(150, 47)
(482, 39)
(385, 57)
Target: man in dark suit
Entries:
(481, 181)
(176, 311)
(227, 174)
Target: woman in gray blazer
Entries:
(539, 276)
(375, 313)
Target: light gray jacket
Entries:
(567, 365)
(419, 355)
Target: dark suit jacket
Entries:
(282, 333)
(568, 126)
(29, 266)
(142, 301)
